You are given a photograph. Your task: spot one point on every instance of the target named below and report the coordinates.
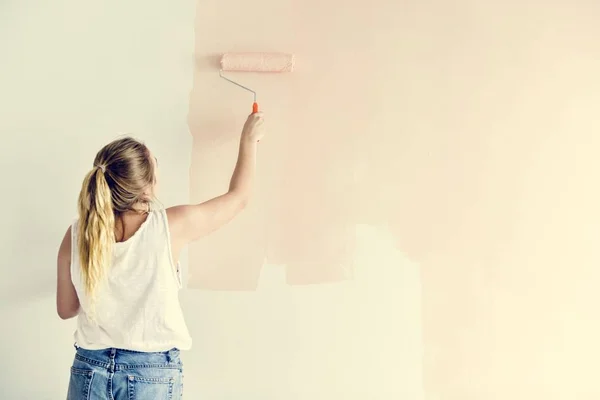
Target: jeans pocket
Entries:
(150, 388)
(80, 383)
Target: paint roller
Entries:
(255, 62)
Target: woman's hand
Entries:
(253, 130)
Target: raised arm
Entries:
(190, 222)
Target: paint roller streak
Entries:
(258, 62)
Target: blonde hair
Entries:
(121, 178)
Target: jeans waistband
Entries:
(117, 359)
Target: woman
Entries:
(118, 271)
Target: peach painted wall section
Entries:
(319, 117)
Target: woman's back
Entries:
(136, 305)
(116, 271)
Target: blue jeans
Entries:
(115, 374)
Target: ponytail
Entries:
(96, 229)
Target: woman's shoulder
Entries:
(157, 217)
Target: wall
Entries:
(353, 340)
(75, 75)
(312, 298)
(502, 214)
(465, 128)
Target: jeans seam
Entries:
(90, 361)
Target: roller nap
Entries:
(258, 62)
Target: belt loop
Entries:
(172, 354)
(113, 351)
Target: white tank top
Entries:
(137, 305)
